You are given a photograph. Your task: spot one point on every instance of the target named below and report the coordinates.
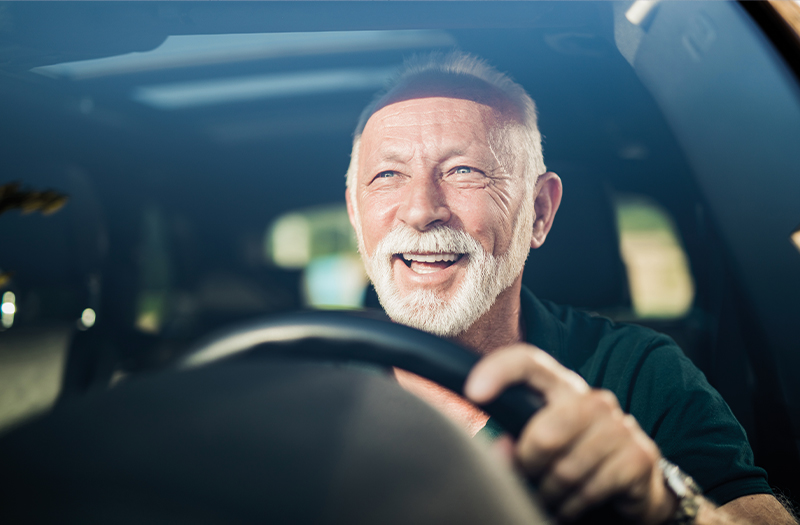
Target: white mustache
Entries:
(440, 239)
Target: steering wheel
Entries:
(338, 336)
(284, 441)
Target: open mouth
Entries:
(429, 262)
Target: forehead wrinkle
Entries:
(394, 149)
(427, 138)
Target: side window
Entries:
(51, 252)
(155, 272)
(8, 307)
(659, 278)
(320, 242)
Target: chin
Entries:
(451, 313)
(446, 315)
(425, 310)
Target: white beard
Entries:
(486, 276)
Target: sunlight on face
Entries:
(485, 278)
(447, 210)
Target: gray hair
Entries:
(457, 64)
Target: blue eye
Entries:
(463, 169)
(385, 174)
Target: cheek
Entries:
(476, 213)
(377, 219)
(488, 216)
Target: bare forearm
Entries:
(748, 510)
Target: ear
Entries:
(351, 213)
(547, 198)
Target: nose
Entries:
(423, 204)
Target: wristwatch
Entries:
(685, 489)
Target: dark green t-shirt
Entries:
(656, 383)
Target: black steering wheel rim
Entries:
(340, 336)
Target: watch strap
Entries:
(685, 489)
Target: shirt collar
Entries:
(542, 328)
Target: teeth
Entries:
(431, 258)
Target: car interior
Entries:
(172, 169)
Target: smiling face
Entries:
(436, 206)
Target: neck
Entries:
(500, 326)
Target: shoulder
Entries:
(656, 383)
(637, 363)
(589, 343)
(667, 394)
(644, 368)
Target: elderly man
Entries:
(447, 191)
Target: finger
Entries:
(515, 364)
(495, 372)
(564, 443)
(595, 442)
(548, 436)
(606, 483)
(626, 474)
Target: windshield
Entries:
(169, 169)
